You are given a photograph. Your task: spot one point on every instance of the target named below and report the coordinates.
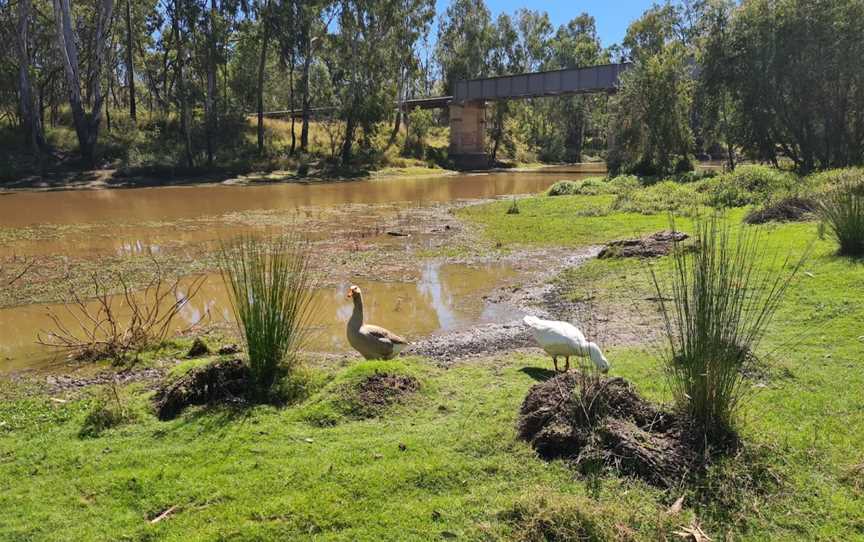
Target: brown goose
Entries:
(372, 342)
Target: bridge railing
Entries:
(551, 83)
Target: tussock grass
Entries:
(593, 186)
(666, 196)
(748, 185)
(842, 213)
(719, 306)
(270, 287)
(111, 408)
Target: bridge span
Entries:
(467, 106)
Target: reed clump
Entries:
(841, 211)
(270, 286)
(716, 307)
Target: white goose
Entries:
(564, 339)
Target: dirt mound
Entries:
(649, 246)
(793, 209)
(221, 382)
(591, 420)
(199, 348)
(379, 391)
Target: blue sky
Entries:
(613, 16)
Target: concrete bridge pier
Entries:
(468, 135)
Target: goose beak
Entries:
(350, 294)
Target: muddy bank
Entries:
(537, 295)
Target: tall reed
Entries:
(842, 211)
(270, 286)
(716, 307)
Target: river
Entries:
(437, 296)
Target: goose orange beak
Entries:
(350, 294)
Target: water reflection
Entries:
(446, 297)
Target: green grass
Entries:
(572, 221)
(265, 474)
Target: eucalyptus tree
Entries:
(651, 113)
(465, 39)
(34, 136)
(87, 123)
(506, 57)
(367, 52)
(556, 127)
(794, 73)
(415, 18)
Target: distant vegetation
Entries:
(180, 88)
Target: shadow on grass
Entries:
(215, 419)
(735, 486)
(537, 373)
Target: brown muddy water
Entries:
(440, 296)
(446, 297)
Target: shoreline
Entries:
(112, 179)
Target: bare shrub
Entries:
(118, 326)
(9, 275)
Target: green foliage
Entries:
(591, 186)
(419, 123)
(831, 178)
(270, 287)
(841, 210)
(465, 37)
(720, 306)
(788, 74)
(748, 185)
(651, 116)
(665, 196)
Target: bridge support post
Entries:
(468, 135)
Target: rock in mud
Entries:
(649, 246)
(792, 209)
(587, 418)
(220, 382)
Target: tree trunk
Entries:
(350, 126)
(130, 66)
(33, 134)
(262, 62)
(397, 122)
(291, 101)
(210, 101)
(185, 121)
(86, 124)
(304, 85)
